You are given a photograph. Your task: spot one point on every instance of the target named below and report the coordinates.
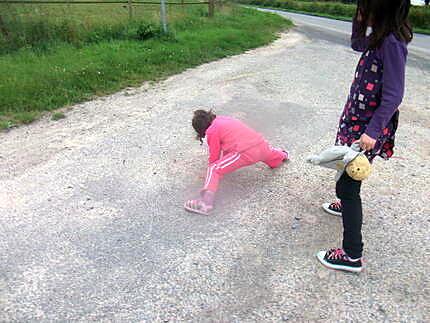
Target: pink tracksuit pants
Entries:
(272, 157)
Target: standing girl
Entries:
(371, 112)
(232, 145)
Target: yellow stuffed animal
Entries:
(359, 168)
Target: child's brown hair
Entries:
(202, 120)
(386, 16)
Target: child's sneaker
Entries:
(334, 208)
(337, 259)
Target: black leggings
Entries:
(348, 191)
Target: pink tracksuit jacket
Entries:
(233, 145)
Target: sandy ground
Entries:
(92, 225)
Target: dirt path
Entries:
(92, 226)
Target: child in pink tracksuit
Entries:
(232, 145)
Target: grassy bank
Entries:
(419, 16)
(42, 25)
(54, 73)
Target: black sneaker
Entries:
(334, 208)
(337, 259)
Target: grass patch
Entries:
(33, 80)
(422, 31)
(58, 116)
(419, 16)
(6, 124)
(42, 25)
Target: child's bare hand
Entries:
(367, 143)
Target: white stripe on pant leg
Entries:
(227, 160)
(211, 168)
(221, 163)
(231, 162)
(216, 165)
(209, 176)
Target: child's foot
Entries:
(287, 156)
(334, 208)
(198, 206)
(337, 259)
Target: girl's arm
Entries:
(214, 144)
(394, 55)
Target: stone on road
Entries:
(92, 225)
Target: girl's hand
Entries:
(367, 143)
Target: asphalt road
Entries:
(91, 220)
(420, 44)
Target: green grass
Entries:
(419, 16)
(422, 31)
(58, 116)
(33, 80)
(44, 25)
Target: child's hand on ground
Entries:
(367, 143)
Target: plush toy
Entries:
(344, 158)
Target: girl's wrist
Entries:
(372, 133)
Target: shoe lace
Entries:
(336, 254)
(336, 206)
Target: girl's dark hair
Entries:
(201, 121)
(386, 16)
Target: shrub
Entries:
(145, 31)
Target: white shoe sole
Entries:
(326, 208)
(320, 256)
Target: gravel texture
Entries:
(92, 225)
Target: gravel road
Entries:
(92, 226)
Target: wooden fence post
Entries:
(163, 15)
(130, 10)
(211, 8)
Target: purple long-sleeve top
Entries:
(392, 53)
(376, 93)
